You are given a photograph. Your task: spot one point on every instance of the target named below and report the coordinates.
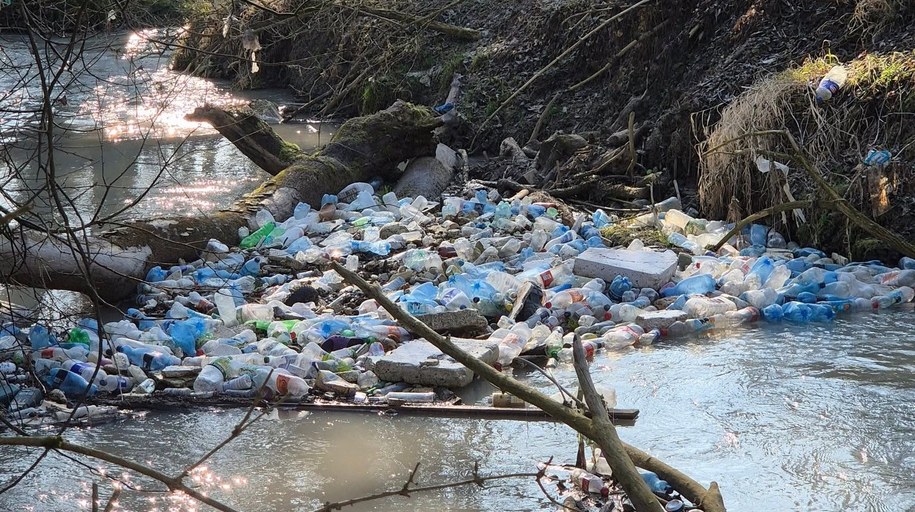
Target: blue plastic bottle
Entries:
(619, 286)
(700, 283)
(70, 383)
(806, 298)
(797, 312)
(821, 313)
(251, 267)
(147, 358)
(40, 337)
(186, 332)
(600, 219)
(773, 313)
(156, 274)
(654, 483)
(759, 234)
(762, 268)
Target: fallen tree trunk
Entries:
(251, 135)
(121, 254)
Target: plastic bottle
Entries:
(831, 83)
(797, 312)
(656, 485)
(256, 237)
(213, 375)
(619, 285)
(185, 334)
(379, 247)
(281, 383)
(698, 284)
(760, 298)
(40, 337)
(677, 219)
(589, 482)
(84, 370)
(701, 307)
(427, 397)
(147, 359)
(112, 383)
(681, 241)
(225, 305)
(555, 276)
(78, 352)
(70, 383)
(621, 336)
(78, 335)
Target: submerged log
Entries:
(251, 135)
(115, 259)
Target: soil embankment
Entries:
(675, 66)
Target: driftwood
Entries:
(119, 255)
(892, 239)
(709, 499)
(624, 470)
(251, 135)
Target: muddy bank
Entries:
(674, 67)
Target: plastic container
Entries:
(70, 383)
(831, 83)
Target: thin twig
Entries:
(553, 62)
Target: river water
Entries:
(807, 418)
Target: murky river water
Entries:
(784, 418)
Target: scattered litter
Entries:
(266, 317)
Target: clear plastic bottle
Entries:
(84, 370)
(697, 284)
(702, 307)
(831, 83)
(621, 336)
(225, 304)
(589, 482)
(212, 376)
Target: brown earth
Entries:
(687, 61)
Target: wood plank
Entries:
(622, 417)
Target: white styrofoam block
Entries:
(650, 269)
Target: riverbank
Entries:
(675, 67)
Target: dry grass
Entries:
(873, 110)
(871, 17)
(727, 156)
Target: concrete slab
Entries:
(466, 322)
(329, 381)
(659, 319)
(650, 269)
(419, 362)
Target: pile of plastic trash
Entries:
(265, 316)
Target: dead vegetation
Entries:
(872, 111)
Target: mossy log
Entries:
(113, 260)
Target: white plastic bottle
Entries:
(213, 375)
(225, 304)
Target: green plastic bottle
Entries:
(254, 238)
(78, 335)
